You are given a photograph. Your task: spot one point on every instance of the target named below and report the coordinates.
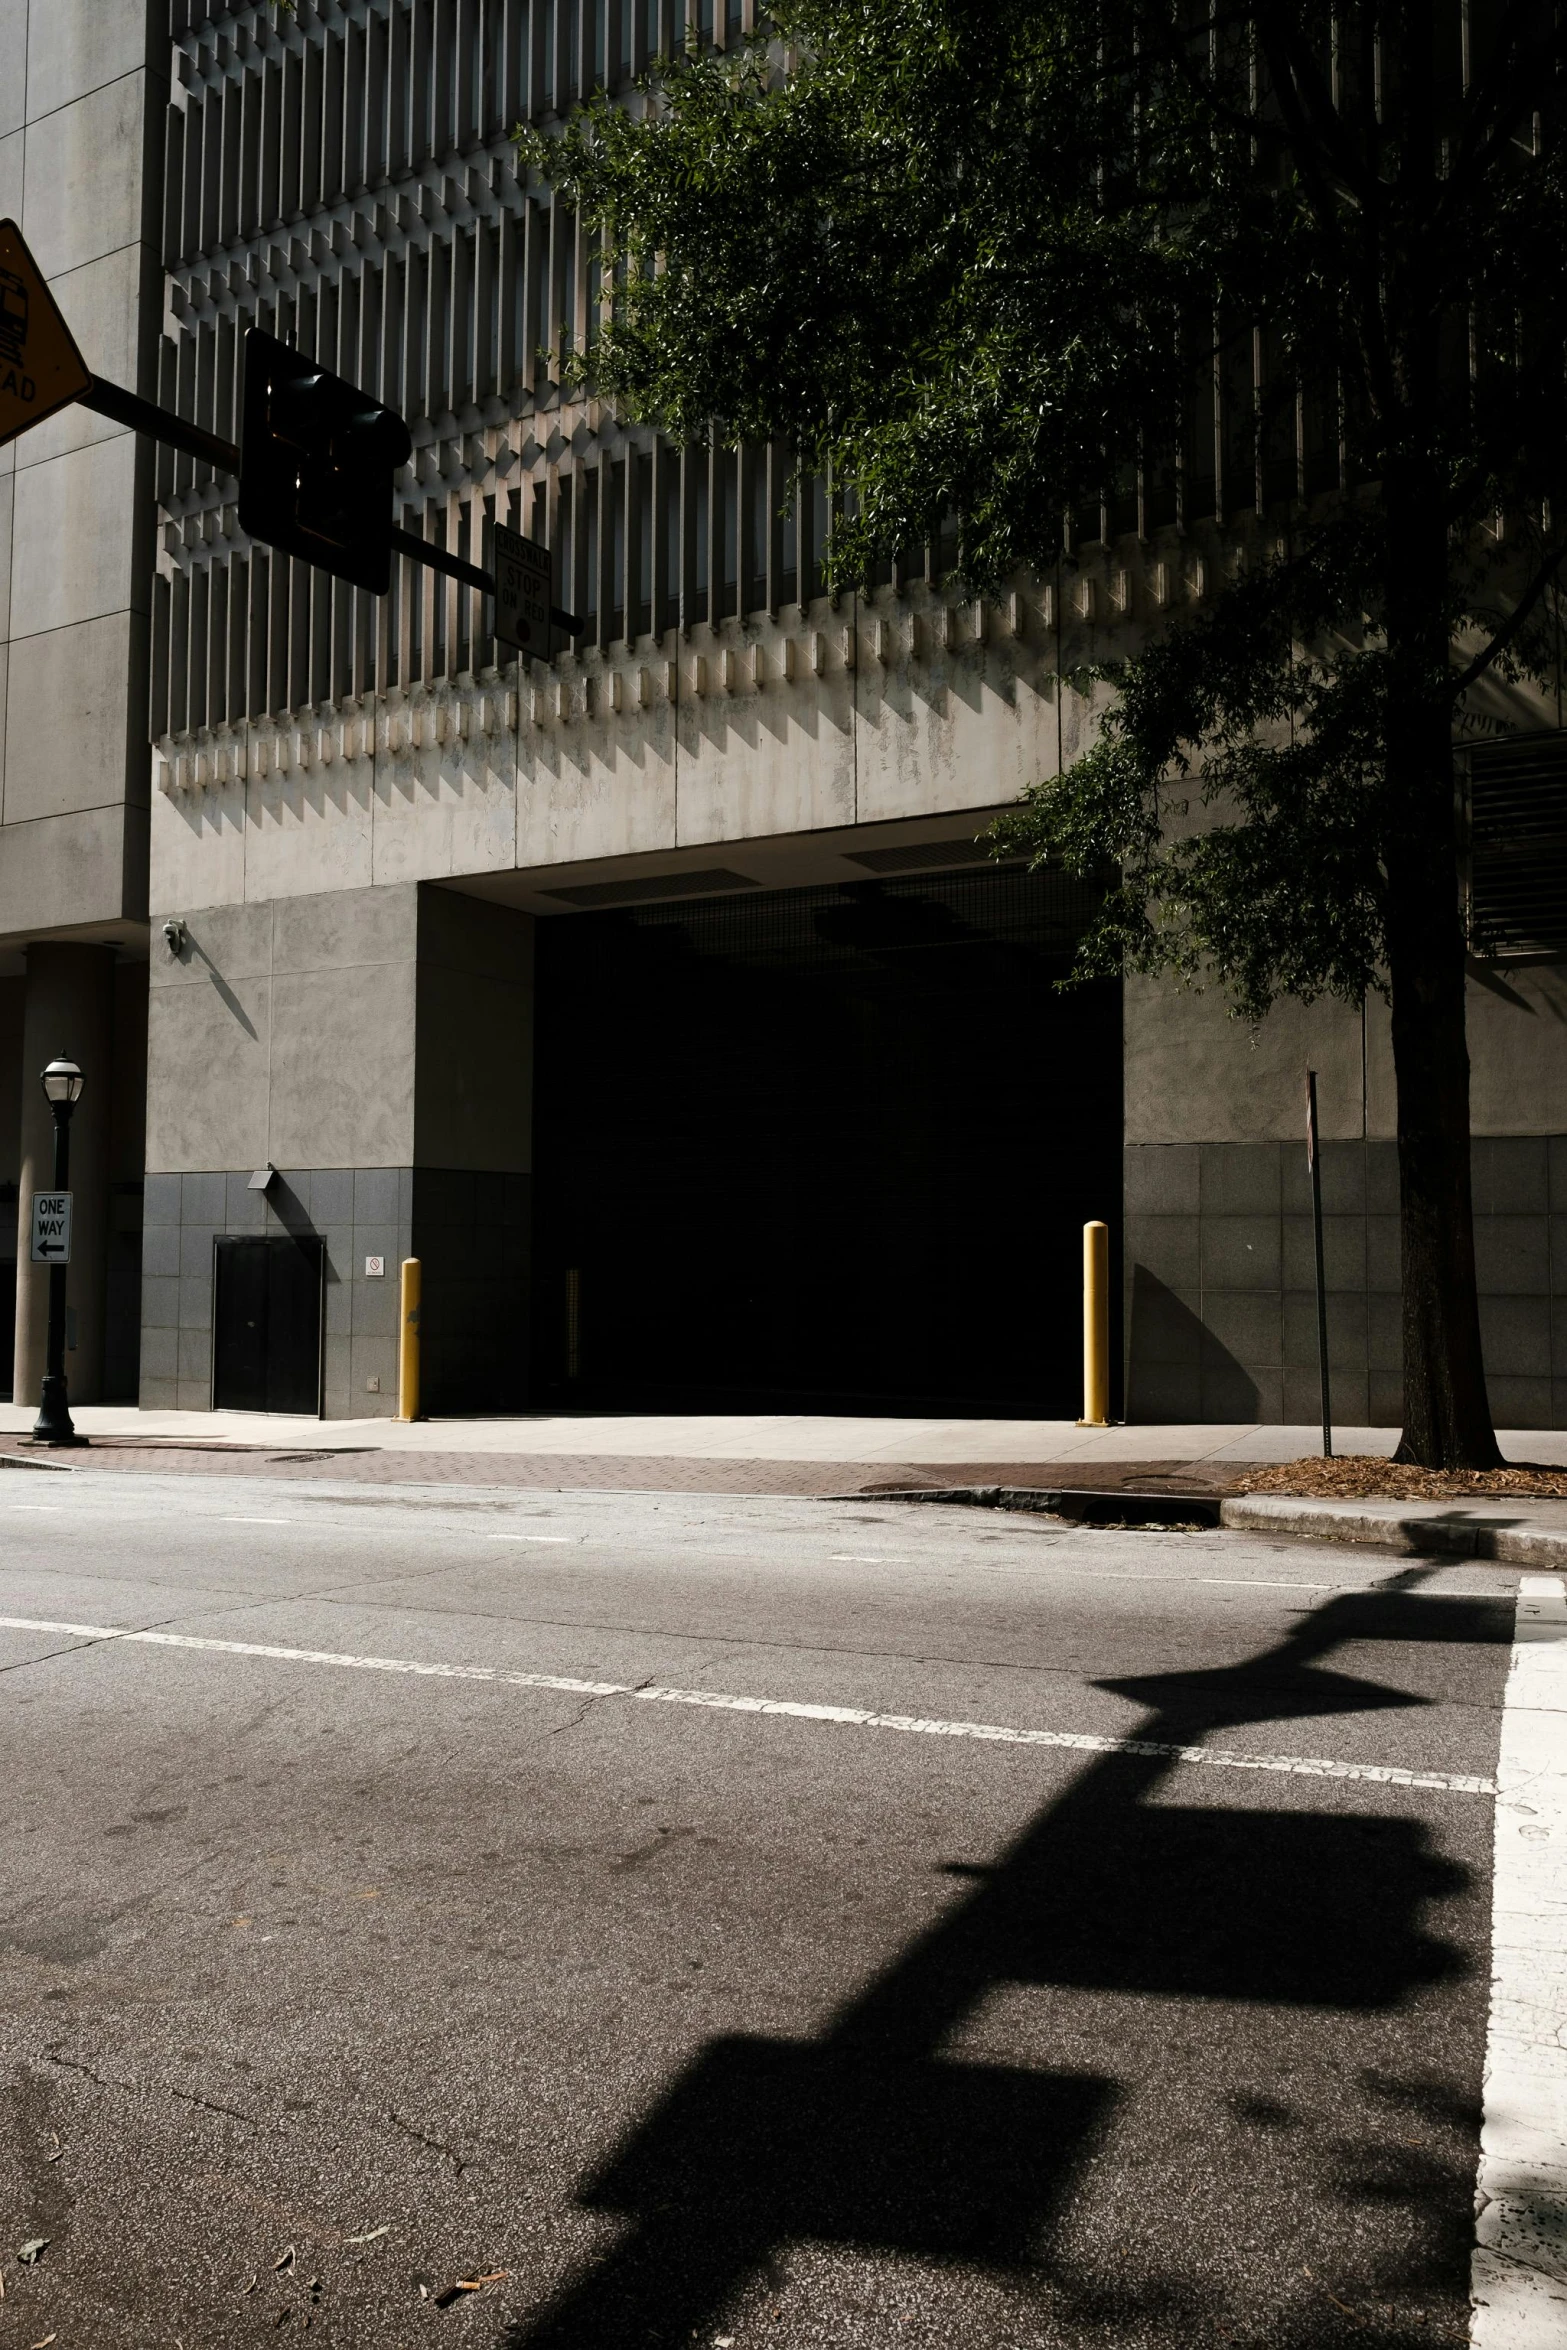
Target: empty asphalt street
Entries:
(544, 1920)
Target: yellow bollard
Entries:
(408, 1343)
(1096, 1326)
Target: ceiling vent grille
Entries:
(1518, 846)
(641, 890)
(926, 855)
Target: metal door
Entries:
(266, 1337)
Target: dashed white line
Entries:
(715, 1700)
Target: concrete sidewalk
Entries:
(775, 1437)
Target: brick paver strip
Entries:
(607, 1472)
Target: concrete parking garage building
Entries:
(659, 998)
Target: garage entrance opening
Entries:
(266, 1319)
(823, 1150)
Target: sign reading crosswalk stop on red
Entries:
(522, 592)
(40, 367)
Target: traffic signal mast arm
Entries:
(161, 424)
(408, 542)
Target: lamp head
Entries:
(62, 1081)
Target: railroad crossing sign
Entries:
(522, 592)
(51, 1227)
(40, 367)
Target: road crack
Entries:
(160, 2088)
(436, 2145)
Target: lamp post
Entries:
(62, 1083)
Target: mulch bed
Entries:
(1366, 1477)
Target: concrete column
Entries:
(69, 1010)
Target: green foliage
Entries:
(978, 258)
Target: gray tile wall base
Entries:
(1220, 1300)
(470, 1232)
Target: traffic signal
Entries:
(316, 464)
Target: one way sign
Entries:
(51, 1227)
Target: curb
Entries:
(1384, 1525)
(1117, 1507)
(1392, 1525)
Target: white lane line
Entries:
(494, 1537)
(226, 1521)
(1519, 2273)
(1302, 1766)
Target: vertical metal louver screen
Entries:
(1518, 846)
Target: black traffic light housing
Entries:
(316, 464)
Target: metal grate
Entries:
(924, 855)
(863, 922)
(1518, 846)
(637, 892)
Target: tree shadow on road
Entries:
(869, 2136)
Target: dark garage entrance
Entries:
(823, 1150)
(266, 1323)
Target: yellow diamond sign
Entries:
(40, 367)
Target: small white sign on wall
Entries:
(375, 1268)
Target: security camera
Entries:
(174, 939)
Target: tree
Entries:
(988, 258)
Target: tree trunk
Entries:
(1447, 1417)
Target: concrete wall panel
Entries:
(599, 786)
(62, 871)
(84, 192)
(1517, 1021)
(345, 930)
(12, 148)
(342, 1065)
(73, 51)
(208, 1046)
(965, 727)
(73, 554)
(475, 1036)
(447, 804)
(310, 829)
(1193, 1074)
(475, 1097)
(13, 64)
(757, 761)
(7, 496)
(66, 724)
(198, 848)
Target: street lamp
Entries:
(62, 1083)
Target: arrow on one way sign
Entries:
(40, 367)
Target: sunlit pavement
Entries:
(607, 1918)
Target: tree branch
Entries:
(1293, 67)
(1512, 626)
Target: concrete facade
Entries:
(354, 812)
(389, 1031)
(83, 95)
(1221, 1305)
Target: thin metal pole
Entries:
(1314, 1162)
